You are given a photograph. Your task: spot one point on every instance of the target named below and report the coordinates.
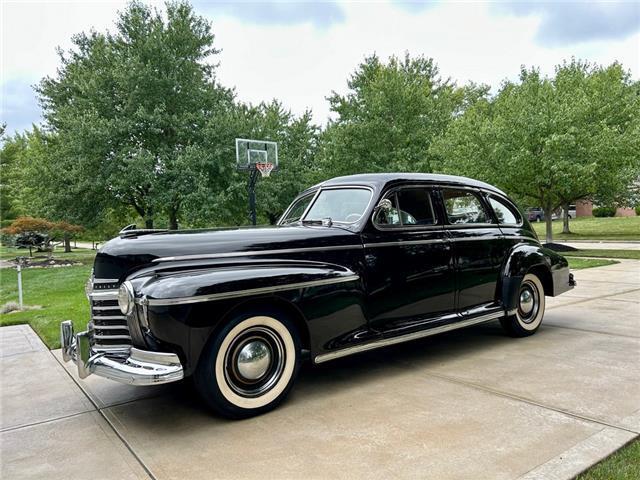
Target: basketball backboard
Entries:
(252, 152)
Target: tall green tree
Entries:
(130, 107)
(390, 116)
(551, 141)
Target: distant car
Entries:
(572, 211)
(354, 264)
(535, 214)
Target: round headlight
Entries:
(126, 298)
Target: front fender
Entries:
(220, 283)
(524, 258)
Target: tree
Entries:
(65, 231)
(129, 107)
(390, 116)
(554, 140)
(31, 232)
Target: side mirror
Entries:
(385, 205)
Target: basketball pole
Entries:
(251, 187)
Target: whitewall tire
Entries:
(250, 365)
(529, 310)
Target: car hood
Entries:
(123, 255)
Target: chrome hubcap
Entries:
(526, 302)
(254, 360)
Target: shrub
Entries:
(604, 212)
(7, 239)
(638, 210)
(9, 307)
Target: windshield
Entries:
(345, 205)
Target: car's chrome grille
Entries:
(108, 327)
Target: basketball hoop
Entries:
(264, 168)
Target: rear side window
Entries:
(464, 207)
(505, 213)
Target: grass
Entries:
(58, 291)
(622, 465)
(83, 255)
(605, 253)
(592, 228)
(581, 263)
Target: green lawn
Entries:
(580, 263)
(58, 291)
(604, 253)
(622, 465)
(592, 228)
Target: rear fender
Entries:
(552, 268)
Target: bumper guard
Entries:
(141, 367)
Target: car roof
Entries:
(380, 180)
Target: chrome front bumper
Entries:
(141, 367)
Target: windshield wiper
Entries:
(325, 222)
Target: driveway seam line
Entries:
(590, 331)
(597, 298)
(106, 419)
(42, 422)
(529, 401)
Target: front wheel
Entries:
(530, 308)
(250, 365)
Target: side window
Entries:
(411, 207)
(298, 209)
(388, 218)
(506, 214)
(464, 207)
(415, 207)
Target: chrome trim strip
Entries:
(474, 239)
(105, 280)
(251, 291)
(104, 295)
(406, 242)
(512, 312)
(97, 336)
(110, 327)
(108, 307)
(109, 317)
(252, 253)
(384, 342)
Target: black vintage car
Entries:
(355, 263)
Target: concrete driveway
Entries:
(471, 404)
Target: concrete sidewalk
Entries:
(600, 244)
(464, 405)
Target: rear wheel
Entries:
(530, 308)
(250, 365)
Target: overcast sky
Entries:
(298, 52)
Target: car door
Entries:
(478, 248)
(409, 269)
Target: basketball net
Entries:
(264, 168)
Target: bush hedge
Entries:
(604, 212)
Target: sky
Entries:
(299, 52)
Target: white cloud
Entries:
(300, 64)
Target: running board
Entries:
(385, 342)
